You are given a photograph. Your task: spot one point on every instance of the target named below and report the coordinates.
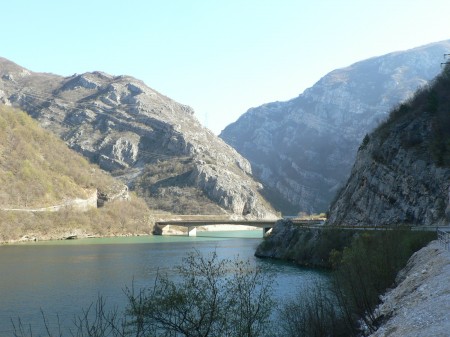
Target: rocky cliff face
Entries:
(151, 142)
(402, 170)
(302, 150)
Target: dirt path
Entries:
(76, 203)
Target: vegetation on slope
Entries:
(38, 170)
(367, 268)
(166, 185)
(115, 218)
(362, 270)
(402, 171)
(432, 103)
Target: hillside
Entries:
(153, 144)
(420, 302)
(402, 171)
(38, 172)
(303, 150)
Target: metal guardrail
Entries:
(444, 238)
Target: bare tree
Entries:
(212, 298)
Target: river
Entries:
(63, 277)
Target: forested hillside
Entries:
(38, 171)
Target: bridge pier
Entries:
(192, 231)
(196, 221)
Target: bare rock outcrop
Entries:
(133, 131)
(113, 192)
(220, 185)
(302, 150)
(402, 170)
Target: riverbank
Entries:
(84, 234)
(69, 235)
(371, 263)
(181, 230)
(307, 247)
(64, 277)
(420, 303)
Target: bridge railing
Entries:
(444, 238)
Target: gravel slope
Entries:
(420, 304)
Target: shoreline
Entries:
(82, 234)
(32, 238)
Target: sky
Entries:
(221, 57)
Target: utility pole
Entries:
(445, 57)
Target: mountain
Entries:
(152, 143)
(302, 150)
(48, 191)
(401, 177)
(402, 171)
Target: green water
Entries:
(201, 236)
(63, 277)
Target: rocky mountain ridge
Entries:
(134, 132)
(402, 171)
(302, 150)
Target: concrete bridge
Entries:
(266, 225)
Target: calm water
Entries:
(63, 277)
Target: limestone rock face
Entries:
(302, 150)
(300, 245)
(282, 241)
(402, 170)
(219, 184)
(115, 192)
(154, 144)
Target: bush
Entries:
(207, 301)
(118, 217)
(212, 297)
(312, 313)
(365, 265)
(367, 268)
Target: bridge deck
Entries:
(253, 223)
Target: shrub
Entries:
(365, 269)
(212, 297)
(209, 300)
(364, 143)
(314, 313)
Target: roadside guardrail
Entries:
(444, 238)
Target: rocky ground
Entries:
(420, 304)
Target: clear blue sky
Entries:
(220, 57)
